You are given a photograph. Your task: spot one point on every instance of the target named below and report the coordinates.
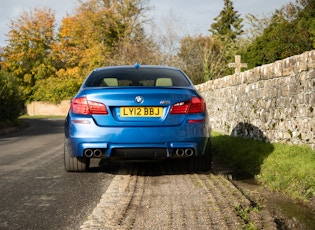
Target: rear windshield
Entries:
(159, 77)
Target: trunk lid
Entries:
(134, 106)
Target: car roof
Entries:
(136, 66)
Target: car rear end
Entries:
(130, 113)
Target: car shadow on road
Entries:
(145, 168)
(36, 127)
(247, 140)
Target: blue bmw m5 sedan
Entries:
(137, 113)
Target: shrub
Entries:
(55, 89)
(11, 104)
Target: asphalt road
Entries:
(37, 193)
(35, 190)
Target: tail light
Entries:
(180, 108)
(195, 105)
(82, 106)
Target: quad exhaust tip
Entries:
(97, 153)
(189, 152)
(89, 153)
(184, 152)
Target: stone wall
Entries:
(274, 102)
(47, 109)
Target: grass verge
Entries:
(286, 168)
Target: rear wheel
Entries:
(207, 158)
(74, 164)
(201, 163)
(192, 164)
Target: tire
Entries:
(74, 164)
(200, 163)
(192, 164)
(203, 163)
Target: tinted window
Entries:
(159, 77)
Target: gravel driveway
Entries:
(142, 196)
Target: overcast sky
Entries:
(196, 16)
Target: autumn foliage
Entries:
(49, 61)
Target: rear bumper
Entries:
(133, 142)
(140, 150)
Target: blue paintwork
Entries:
(107, 132)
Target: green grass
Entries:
(286, 168)
(244, 214)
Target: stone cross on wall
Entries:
(238, 65)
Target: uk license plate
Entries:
(141, 111)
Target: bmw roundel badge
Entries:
(139, 99)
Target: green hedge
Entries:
(11, 104)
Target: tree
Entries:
(10, 98)
(100, 33)
(228, 28)
(134, 49)
(51, 64)
(228, 23)
(104, 32)
(202, 58)
(290, 32)
(256, 26)
(28, 53)
(168, 37)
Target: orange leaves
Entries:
(99, 33)
(32, 28)
(29, 47)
